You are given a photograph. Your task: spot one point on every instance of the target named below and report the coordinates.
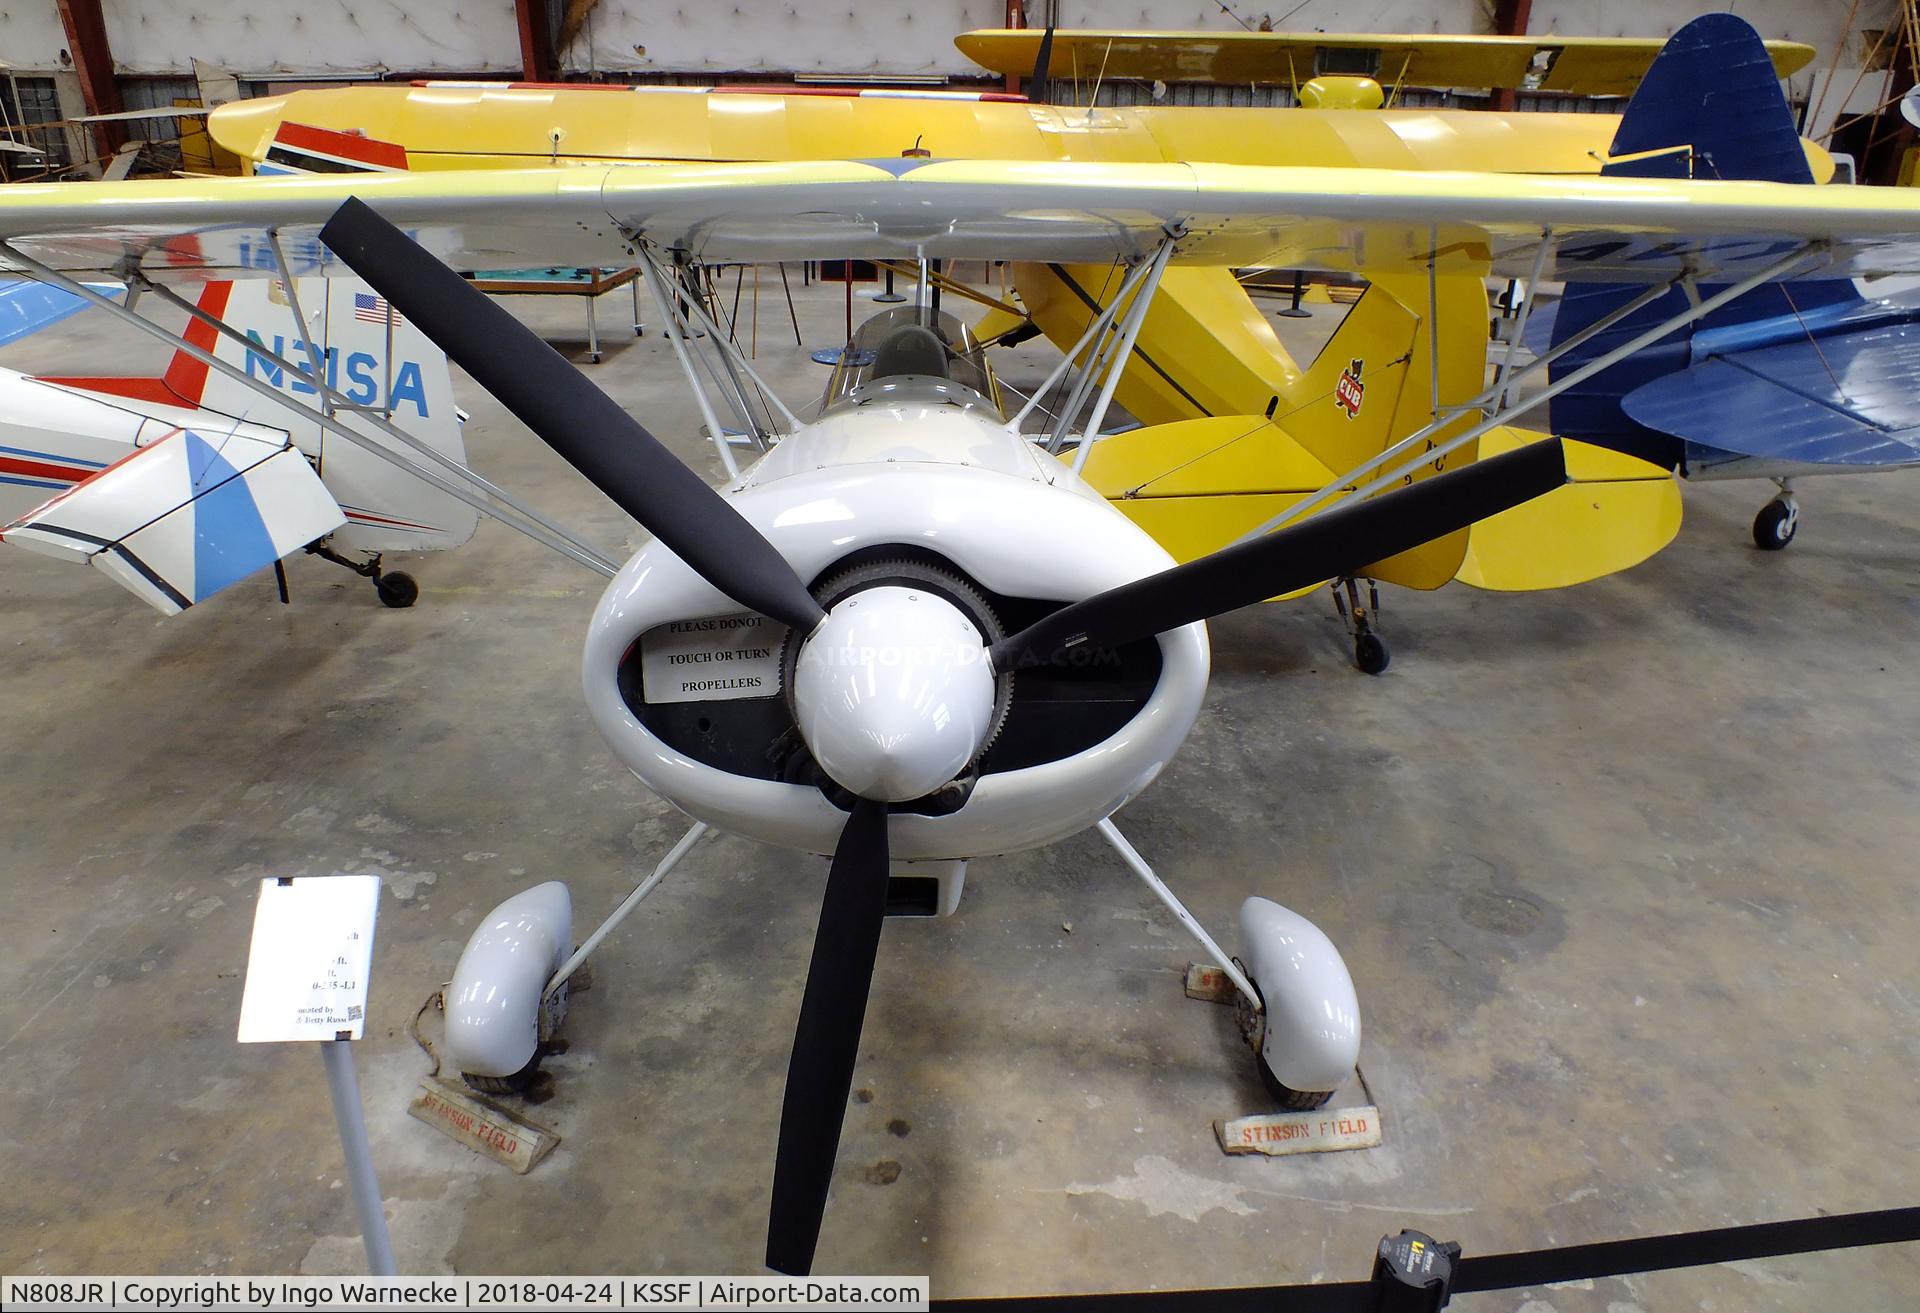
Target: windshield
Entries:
(897, 343)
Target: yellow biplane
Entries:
(1569, 66)
(1239, 433)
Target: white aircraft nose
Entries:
(893, 693)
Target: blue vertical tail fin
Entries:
(1710, 107)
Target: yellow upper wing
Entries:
(1634, 230)
(1579, 66)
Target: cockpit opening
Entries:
(908, 347)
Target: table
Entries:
(588, 283)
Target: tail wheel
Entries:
(397, 589)
(1370, 654)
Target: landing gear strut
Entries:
(1778, 520)
(508, 996)
(396, 588)
(1370, 654)
(1294, 999)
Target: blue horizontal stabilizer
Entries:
(1852, 399)
(28, 307)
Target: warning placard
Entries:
(728, 656)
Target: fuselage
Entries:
(689, 691)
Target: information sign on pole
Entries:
(307, 970)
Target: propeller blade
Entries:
(1327, 545)
(827, 1040)
(586, 426)
(1037, 84)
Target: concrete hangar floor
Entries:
(1625, 875)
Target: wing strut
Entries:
(686, 319)
(1114, 345)
(1101, 323)
(1504, 376)
(676, 334)
(1129, 331)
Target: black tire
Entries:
(397, 590)
(1370, 654)
(517, 1084)
(1291, 1100)
(1775, 526)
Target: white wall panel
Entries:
(253, 38)
(31, 37)
(294, 38)
(1816, 22)
(800, 36)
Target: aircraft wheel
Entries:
(1307, 1022)
(1290, 1100)
(1775, 525)
(1371, 657)
(553, 1015)
(517, 1084)
(397, 590)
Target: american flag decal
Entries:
(373, 309)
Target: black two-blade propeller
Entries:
(627, 463)
(672, 502)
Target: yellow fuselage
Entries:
(503, 126)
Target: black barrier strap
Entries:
(1729, 1244)
(1335, 1297)
(1539, 1267)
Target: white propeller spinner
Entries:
(893, 693)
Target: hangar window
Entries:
(25, 101)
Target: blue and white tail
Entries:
(383, 365)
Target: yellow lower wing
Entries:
(1615, 512)
(1197, 485)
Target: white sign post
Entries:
(307, 980)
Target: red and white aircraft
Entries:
(177, 486)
